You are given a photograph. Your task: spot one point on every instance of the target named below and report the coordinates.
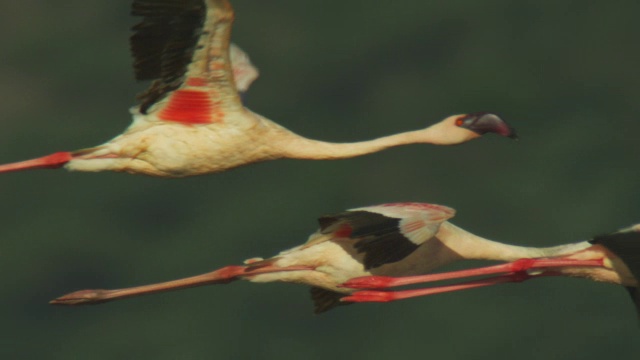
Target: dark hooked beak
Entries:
(482, 123)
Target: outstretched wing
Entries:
(389, 232)
(183, 47)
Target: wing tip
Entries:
(325, 300)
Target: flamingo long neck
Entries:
(470, 246)
(303, 148)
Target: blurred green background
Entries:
(564, 73)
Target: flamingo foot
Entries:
(82, 297)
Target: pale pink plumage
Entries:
(191, 120)
(334, 259)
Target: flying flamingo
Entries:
(191, 121)
(612, 258)
(402, 239)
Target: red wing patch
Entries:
(192, 107)
(344, 231)
(196, 81)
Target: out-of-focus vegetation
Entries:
(564, 73)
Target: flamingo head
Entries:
(482, 123)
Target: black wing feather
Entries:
(384, 248)
(376, 235)
(626, 245)
(325, 300)
(163, 44)
(362, 223)
(635, 297)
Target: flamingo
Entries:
(191, 121)
(612, 258)
(402, 239)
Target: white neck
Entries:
(470, 246)
(294, 146)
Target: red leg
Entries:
(52, 161)
(386, 296)
(223, 275)
(381, 282)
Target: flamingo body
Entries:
(345, 244)
(366, 248)
(171, 149)
(191, 121)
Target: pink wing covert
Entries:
(419, 221)
(244, 72)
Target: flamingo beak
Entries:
(483, 122)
